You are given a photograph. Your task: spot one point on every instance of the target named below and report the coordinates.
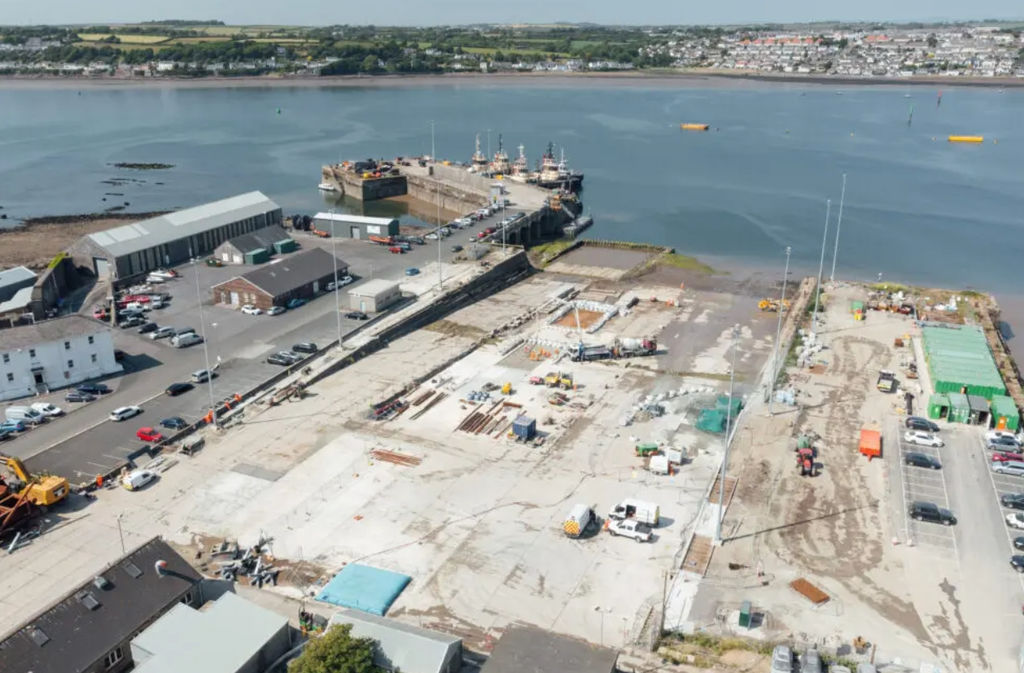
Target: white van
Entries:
(27, 415)
(186, 340)
(136, 479)
(644, 512)
(201, 375)
(580, 517)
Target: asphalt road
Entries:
(84, 443)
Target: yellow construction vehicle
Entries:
(551, 379)
(506, 389)
(41, 491)
(565, 380)
(772, 304)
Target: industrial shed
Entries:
(14, 279)
(255, 247)
(374, 295)
(135, 249)
(403, 647)
(355, 226)
(959, 361)
(1005, 414)
(303, 275)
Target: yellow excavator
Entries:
(772, 304)
(40, 490)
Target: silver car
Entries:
(782, 659)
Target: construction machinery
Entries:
(805, 461)
(630, 347)
(768, 304)
(15, 510)
(39, 490)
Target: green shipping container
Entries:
(711, 420)
(287, 245)
(959, 408)
(938, 405)
(722, 404)
(258, 256)
(1005, 414)
(856, 306)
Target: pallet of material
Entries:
(423, 398)
(395, 457)
(809, 591)
(428, 405)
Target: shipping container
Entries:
(1005, 414)
(257, 256)
(938, 405)
(959, 408)
(287, 245)
(524, 427)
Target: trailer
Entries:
(590, 353)
(381, 240)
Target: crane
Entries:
(40, 490)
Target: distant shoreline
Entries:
(681, 78)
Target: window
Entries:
(7, 358)
(93, 357)
(71, 364)
(113, 657)
(10, 377)
(31, 352)
(187, 598)
(67, 345)
(90, 339)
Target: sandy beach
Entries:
(641, 79)
(36, 241)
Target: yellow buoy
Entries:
(694, 127)
(966, 139)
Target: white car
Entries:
(1015, 520)
(431, 237)
(275, 310)
(136, 479)
(249, 309)
(163, 273)
(640, 532)
(122, 413)
(155, 280)
(47, 409)
(161, 333)
(922, 438)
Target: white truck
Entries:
(637, 530)
(644, 512)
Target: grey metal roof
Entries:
(69, 636)
(374, 287)
(355, 219)
(527, 649)
(131, 238)
(403, 647)
(261, 238)
(20, 300)
(219, 639)
(44, 331)
(294, 271)
(17, 274)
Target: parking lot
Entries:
(927, 485)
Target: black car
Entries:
(918, 423)
(305, 347)
(93, 388)
(1017, 563)
(928, 511)
(1012, 500)
(921, 460)
(356, 315)
(77, 396)
(174, 423)
(176, 389)
(456, 248)
(1018, 543)
(148, 327)
(278, 359)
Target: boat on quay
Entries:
(520, 171)
(478, 164)
(500, 164)
(556, 174)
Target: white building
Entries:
(53, 354)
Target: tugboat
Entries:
(521, 168)
(556, 175)
(500, 164)
(479, 161)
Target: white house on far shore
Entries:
(53, 354)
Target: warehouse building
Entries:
(14, 279)
(403, 647)
(256, 247)
(355, 226)
(54, 354)
(300, 276)
(960, 361)
(374, 296)
(134, 249)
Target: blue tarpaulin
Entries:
(364, 588)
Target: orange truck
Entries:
(870, 443)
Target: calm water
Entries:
(918, 208)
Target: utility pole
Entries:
(821, 265)
(728, 439)
(337, 283)
(206, 350)
(778, 334)
(839, 224)
(437, 181)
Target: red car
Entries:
(149, 435)
(100, 314)
(1004, 456)
(141, 298)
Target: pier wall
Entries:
(368, 189)
(451, 196)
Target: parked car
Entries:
(1004, 456)
(161, 333)
(296, 302)
(47, 409)
(923, 424)
(148, 327)
(249, 309)
(75, 396)
(202, 375)
(356, 315)
(179, 331)
(136, 479)
(929, 511)
(92, 388)
(176, 389)
(921, 460)
(1010, 467)
(133, 321)
(100, 314)
(213, 261)
(164, 273)
(305, 347)
(1017, 563)
(810, 662)
(412, 271)
(782, 659)
(186, 340)
(174, 423)
(1002, 434)
(637, 530)
(1015, 520)
(155, 280)
(431, 237)
(1003, 443)
(122, 413)
(1012, 500)
(11, 425)
(342, 282)
(275, 310)
(456, 248)
(148, 434)
(1018, 542)
(278, 359)
(921, 438)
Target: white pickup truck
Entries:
(640, 532)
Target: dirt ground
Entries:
(38, 241)
(586, 318)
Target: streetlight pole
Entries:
(120, 533)
(437, 181)
(728, 438)
(778, 333)
(337, 283)
(206, 350)
(839, 224)
(821, 265)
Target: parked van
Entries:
(26, 415)
(201, 376)
(645, 512)
(186, 340)
(1014, 468)
(580, 517)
